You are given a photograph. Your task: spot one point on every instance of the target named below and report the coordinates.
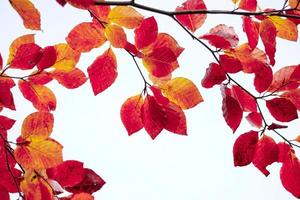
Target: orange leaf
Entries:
(160, 62)
(29, 14)
(286, 29)
(35, 188)
(37, 125)
(131, 114)
(195, 21)
(115, 35)
(25, 39)
(101, 12)
(125, 16)
(182, 92)
(38, 153)
(103, 71)
(249, 5)
(86, 36)
(82, 196)
(70, 79)
(82, 4)
(66, 57)
(41, 97)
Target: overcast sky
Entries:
(171, 167)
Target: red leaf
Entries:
(41, 78)
(286, 78)
(247, 102)
(175, 119)
(230, 64)
(132, 49)
(244, 148)
(250, 28)
(103, 71)
(61, 2)
(146, 33)
(6, 123)
(48, 58)
(27, 56)
(214, 75)
(153, 117)
(266, 153)
(91, 183)
(131, 115)
(263, 79)
(255, 119)
(284, 151)
(276, 126)
(67, 174)
(1, 61)
(222, 36)
(70, 79)
(4, 193)
(101, 12)
(293, 96)
(267, 32)
(82, 4)
(249, 5)
(290, 175)
(282, 109)
(232, 112)
(195, 21)
(6, 97)
(162, 100)
(160, 62)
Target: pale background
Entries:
(172, 167)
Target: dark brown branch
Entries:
(132, 3)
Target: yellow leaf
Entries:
(125, 16)
(39, 154)
(66, 57)
(182, 92)
(115, 35)
(286, 29)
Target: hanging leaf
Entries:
(249, 5)
(222, 36)
(86, 36)
(244, 148)
(230, 64)
(263, 78)
(115, 35)
(214, 75)
(274, 126)
(266, 153)
(48, 58)
(29, 14)
(250, 28)
(125, 16)
(286, 29)
(103, 71)
(82, 4)
(246, 101)
(66, 57)
(293, 96)
(282, 109)
(146, 33)
(284, 152)
(40, 78)
(182, 92)
(131, 115)
(69, 79)
(255, 119)
(6, 97)
(267, 32)
(6, 123)
(101, 13)
(192, 21)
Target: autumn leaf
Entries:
(48, 58)
(250, 28)
(68, 173)
(263, 78)
(131, 115)
(6, 123)
(284, 151)
(246, 101)
(40, 78)
(90, 183)
(66, 57)
(293, 96)
(1, 61)
(100, 13)
(82, 196)
(267, 32)
(24, 39)
(183, 92)
(86, 36)
(70, 79)
(160, 62)
(125, 16)
(103, 71)
(115, 35)
(232, 112)
(282, 109)
(230, 64)
(286, 78)
(274, 126)
(195, 21)
(244, 148)
(27, 56)
(266, 153)
(255, 119)
(214, 75)
(29, 14)
(290, 175)
(6, 96)
(222, 36)
(146, 33)
(175, 119)
(249, 5)
(82, 4)
(41, 97)
(4, 193)
(286, 29)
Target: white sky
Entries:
(173, 167)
